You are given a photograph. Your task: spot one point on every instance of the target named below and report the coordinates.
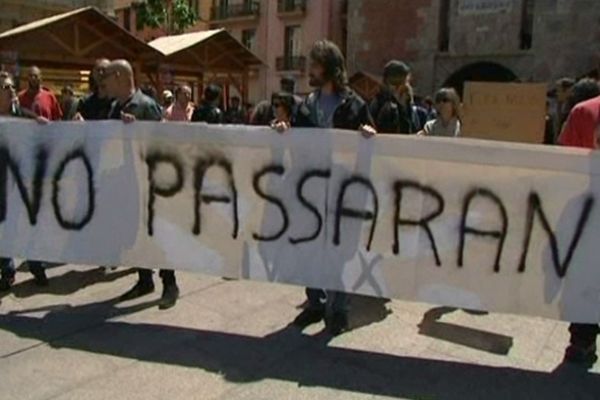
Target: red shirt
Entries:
(43, 103)
(581, 125)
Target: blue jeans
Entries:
(330, 301)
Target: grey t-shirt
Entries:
(326, 107)
(437, 128)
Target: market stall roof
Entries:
(75, 39)
(212, 50)
(365, 84)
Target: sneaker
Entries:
(6, 282)
(169, 297)
(309, 316)
(140, 289)
(337, 323)
(576, 354)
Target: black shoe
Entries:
(6, 282)
(169, 297)
(309, 316)
(581, 355)
(140, 289)
(337, 323)
(39, 278)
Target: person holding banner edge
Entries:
(131, 104)
(332, 105)
(582, 129)
(10, 107)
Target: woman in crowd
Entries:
(447, 122)
(283, 105)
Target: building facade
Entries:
(281, 33)
(19, 12)
(447, 42)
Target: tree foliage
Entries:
(172, 16)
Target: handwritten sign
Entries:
(466, 223)
(504, 111)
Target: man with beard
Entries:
(332, 105)
(392, 109)
(37, 100)
(131, 105)
(96, 105)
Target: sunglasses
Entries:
(7, 87)
(277, 104)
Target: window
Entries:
(444, 23)
(527, 25)
(293, 43)
(127, 18)
(249, 38)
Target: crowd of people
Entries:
(332, 104)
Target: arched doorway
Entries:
(479, 72)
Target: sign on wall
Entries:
(470, 7)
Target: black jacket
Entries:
(391, 116)
(350, 114)
(209, 113)
(143, 107)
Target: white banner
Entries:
(482, 225)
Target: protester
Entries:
(131, 104)
(235, 114)
(208, 111)
(96, 105)
(37, 100)
(283, 104)
(447, 123)
(167, 99)
(392, 108)
(332, 105)
(69, 103)
(564, 89)
(183, 108)
(429, 107)
(264, 113)
(9, 107)
(582, 129)
(584, 89)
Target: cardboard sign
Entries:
(474, 224)
(514, 112)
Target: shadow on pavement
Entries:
(288, 355)
(67, 283)
(473, 338)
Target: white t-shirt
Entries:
(436, 128)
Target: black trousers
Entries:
(584, 335)
(167, 276)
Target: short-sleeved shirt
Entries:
(142, 107)
(176, 113)
(43, 103)
(436, 128)
(581, 125)
(94, 107)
